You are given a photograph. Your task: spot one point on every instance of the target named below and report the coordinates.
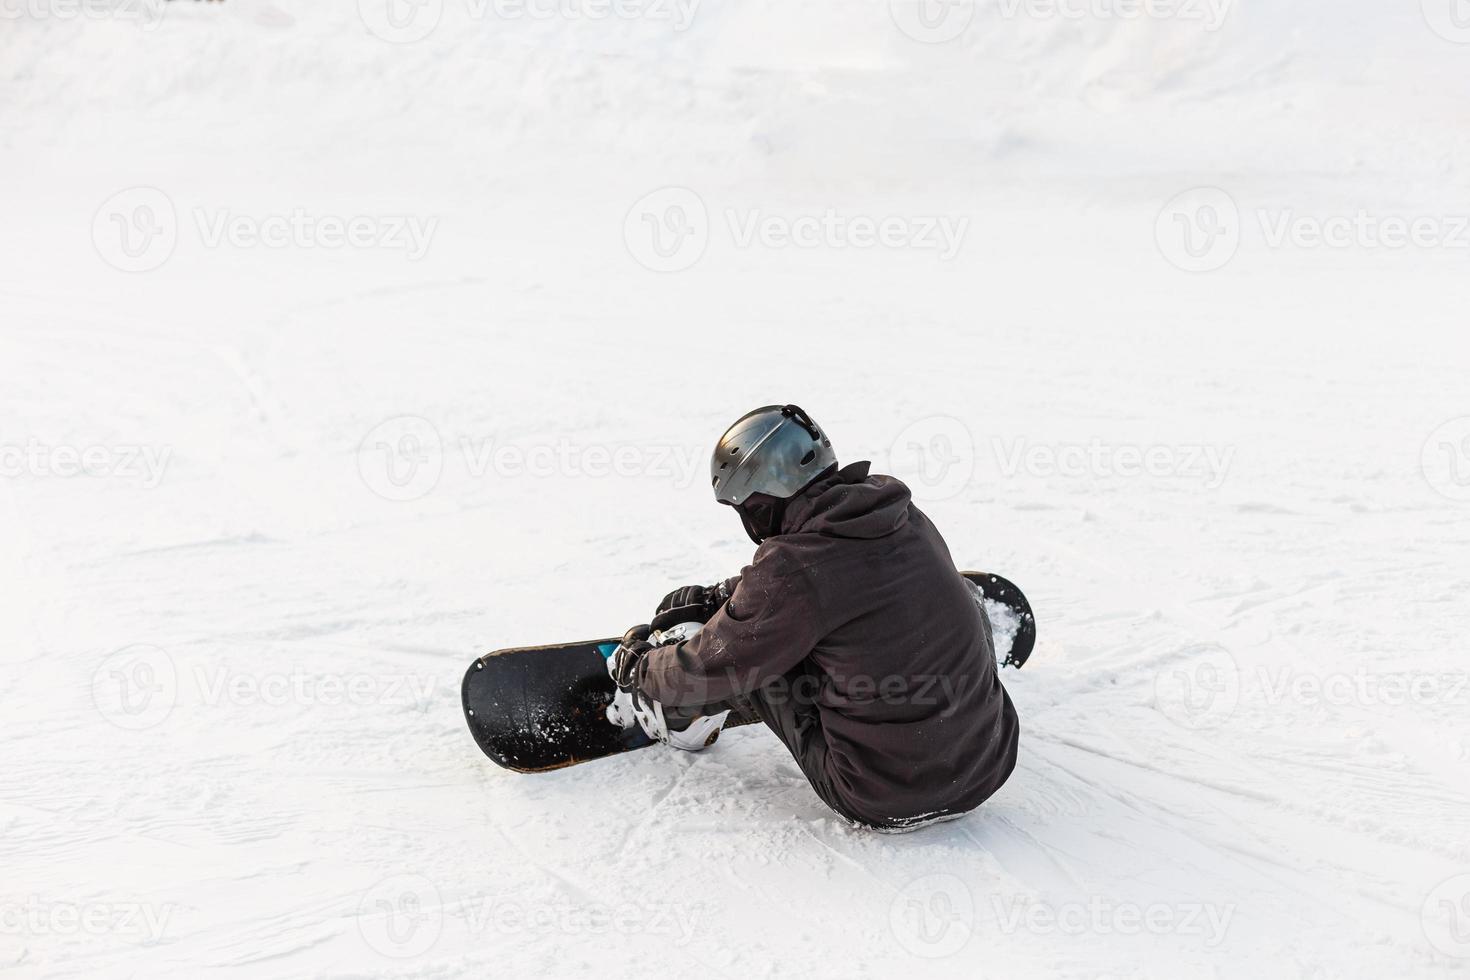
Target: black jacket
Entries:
(861, 586)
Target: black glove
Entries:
(690, 604)
(629, 654)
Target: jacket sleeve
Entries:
(728, 586)
(771, 623)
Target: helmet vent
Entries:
(811, 454)
(734, 450)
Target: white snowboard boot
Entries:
(627, 711)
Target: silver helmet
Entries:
(776, 450)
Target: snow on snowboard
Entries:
(532, 709)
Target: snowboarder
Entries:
(850, 634)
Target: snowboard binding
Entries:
(626, 710)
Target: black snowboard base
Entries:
(534, 709)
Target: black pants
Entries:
(787, 709)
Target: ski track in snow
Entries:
(233, 743)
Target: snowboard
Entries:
(534, 709)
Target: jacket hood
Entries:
(849, 504)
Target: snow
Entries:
(400, 374)
(1004, 624)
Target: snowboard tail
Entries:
(535, 709)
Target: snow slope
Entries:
(1231, 471)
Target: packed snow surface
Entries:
(344, 342)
